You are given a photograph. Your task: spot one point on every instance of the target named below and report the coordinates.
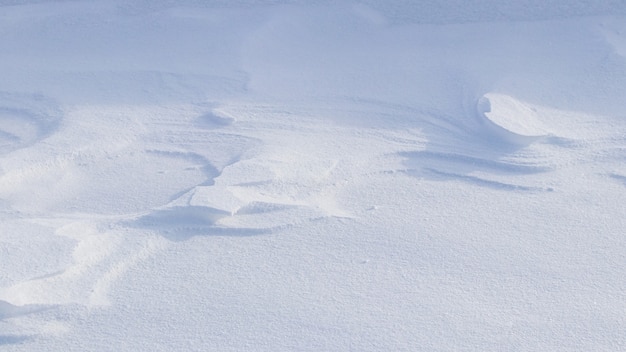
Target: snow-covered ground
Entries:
(313, 175)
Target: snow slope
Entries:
(312, 175)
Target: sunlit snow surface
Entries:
(312, 175)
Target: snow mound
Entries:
(511, 119)
(210, 120)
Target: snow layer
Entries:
(312, 175)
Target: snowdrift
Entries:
(312, 175)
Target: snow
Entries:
(312, 175)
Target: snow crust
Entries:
(290, 175)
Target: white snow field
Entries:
(282, 175)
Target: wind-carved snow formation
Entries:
(512, 119)
(312, 175)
